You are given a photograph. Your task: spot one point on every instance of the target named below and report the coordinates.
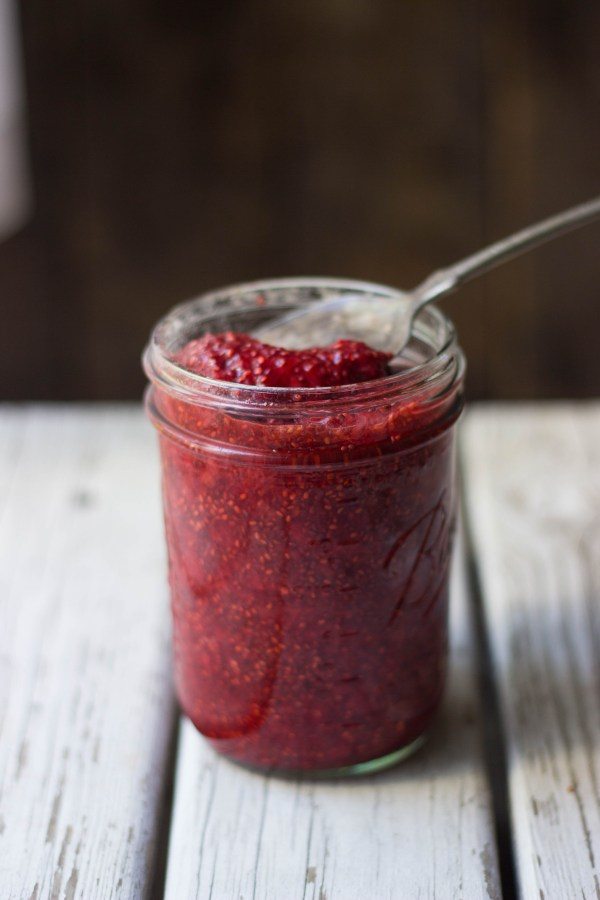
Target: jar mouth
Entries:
(438, 360)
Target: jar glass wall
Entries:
(309, 535)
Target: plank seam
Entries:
(493, 731)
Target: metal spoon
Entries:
(391, 319)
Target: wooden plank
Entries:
(86, 710)
(421, 830)
(533, 496)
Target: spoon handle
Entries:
(446, 280)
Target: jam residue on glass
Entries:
(308, 556)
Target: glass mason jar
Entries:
(309, 536)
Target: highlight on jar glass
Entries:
(309, 500)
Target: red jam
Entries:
(309, 550)
(243, 359)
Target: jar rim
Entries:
(443, 369)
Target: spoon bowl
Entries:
(382, 322)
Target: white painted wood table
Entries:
(104, 793)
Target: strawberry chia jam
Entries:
(309, 505)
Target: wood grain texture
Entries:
(177, 147)
(421, 830)
(86, 710)
(533, 487)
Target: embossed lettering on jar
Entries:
(309, 533)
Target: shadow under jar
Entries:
(309, 536)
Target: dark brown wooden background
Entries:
(176, 146)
